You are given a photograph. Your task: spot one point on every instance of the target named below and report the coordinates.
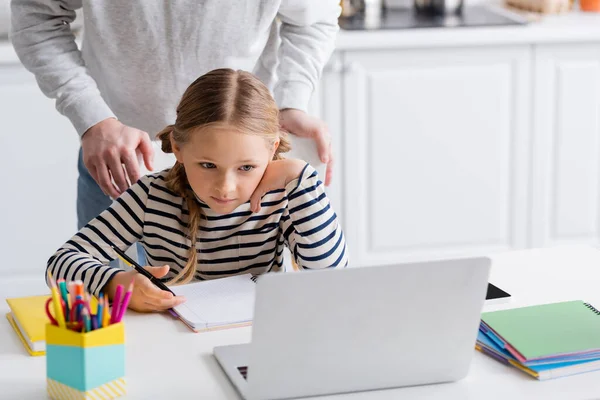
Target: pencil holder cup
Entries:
(85, 365)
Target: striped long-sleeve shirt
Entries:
(299, 217)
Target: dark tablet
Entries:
(494, 293)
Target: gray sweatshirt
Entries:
(138, 56)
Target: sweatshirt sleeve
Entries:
(310, 226)
(42, 38)
(86, 255)
(308, 31)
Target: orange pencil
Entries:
(79, 288)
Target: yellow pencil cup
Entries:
(85, 365)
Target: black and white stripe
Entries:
(299, 217)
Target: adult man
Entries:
(137, 58)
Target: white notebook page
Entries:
(217, 302)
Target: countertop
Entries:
(574, 27)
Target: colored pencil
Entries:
(125, 302)
(85, 316)
(56, 302)
(62, 286)
(116, 303)
(106, 317)
(100, 310)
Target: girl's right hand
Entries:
(146, 297)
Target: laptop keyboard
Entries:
(244, 371)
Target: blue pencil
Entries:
(99, 311)
(78, 308)
(94, 319)
(85, 315)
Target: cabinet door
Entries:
(435, 144)
(326, 103)
(566, 155)
(39, 163)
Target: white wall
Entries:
(38, 163)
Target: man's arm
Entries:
(42, 38)
(308, 31)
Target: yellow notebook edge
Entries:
(11, 320)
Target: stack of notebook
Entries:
(546, 341)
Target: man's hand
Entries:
(301, 124)
(110, 149)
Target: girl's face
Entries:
(224, 166)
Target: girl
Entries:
(228, 206)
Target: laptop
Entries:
(355, 329)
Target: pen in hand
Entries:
(127, 260)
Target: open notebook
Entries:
(217, 304)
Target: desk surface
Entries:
(186, 368)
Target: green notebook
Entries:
(548, 330)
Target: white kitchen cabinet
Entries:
(566, 156)
(39, 170)
(435, 150)
(327, 103)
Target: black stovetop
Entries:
(407, 18)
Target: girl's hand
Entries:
(146, 297)
(277, 175)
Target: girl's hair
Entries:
(222, 96)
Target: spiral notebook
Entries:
(564, 331)
(542, 371)
(217, 304)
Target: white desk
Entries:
(185, 368)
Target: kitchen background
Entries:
(461, 129)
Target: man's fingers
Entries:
(323, 144)
(329, 171)
(116, 170)
(104, 181)
(131, 166)
(92, 170)
(145, 147)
